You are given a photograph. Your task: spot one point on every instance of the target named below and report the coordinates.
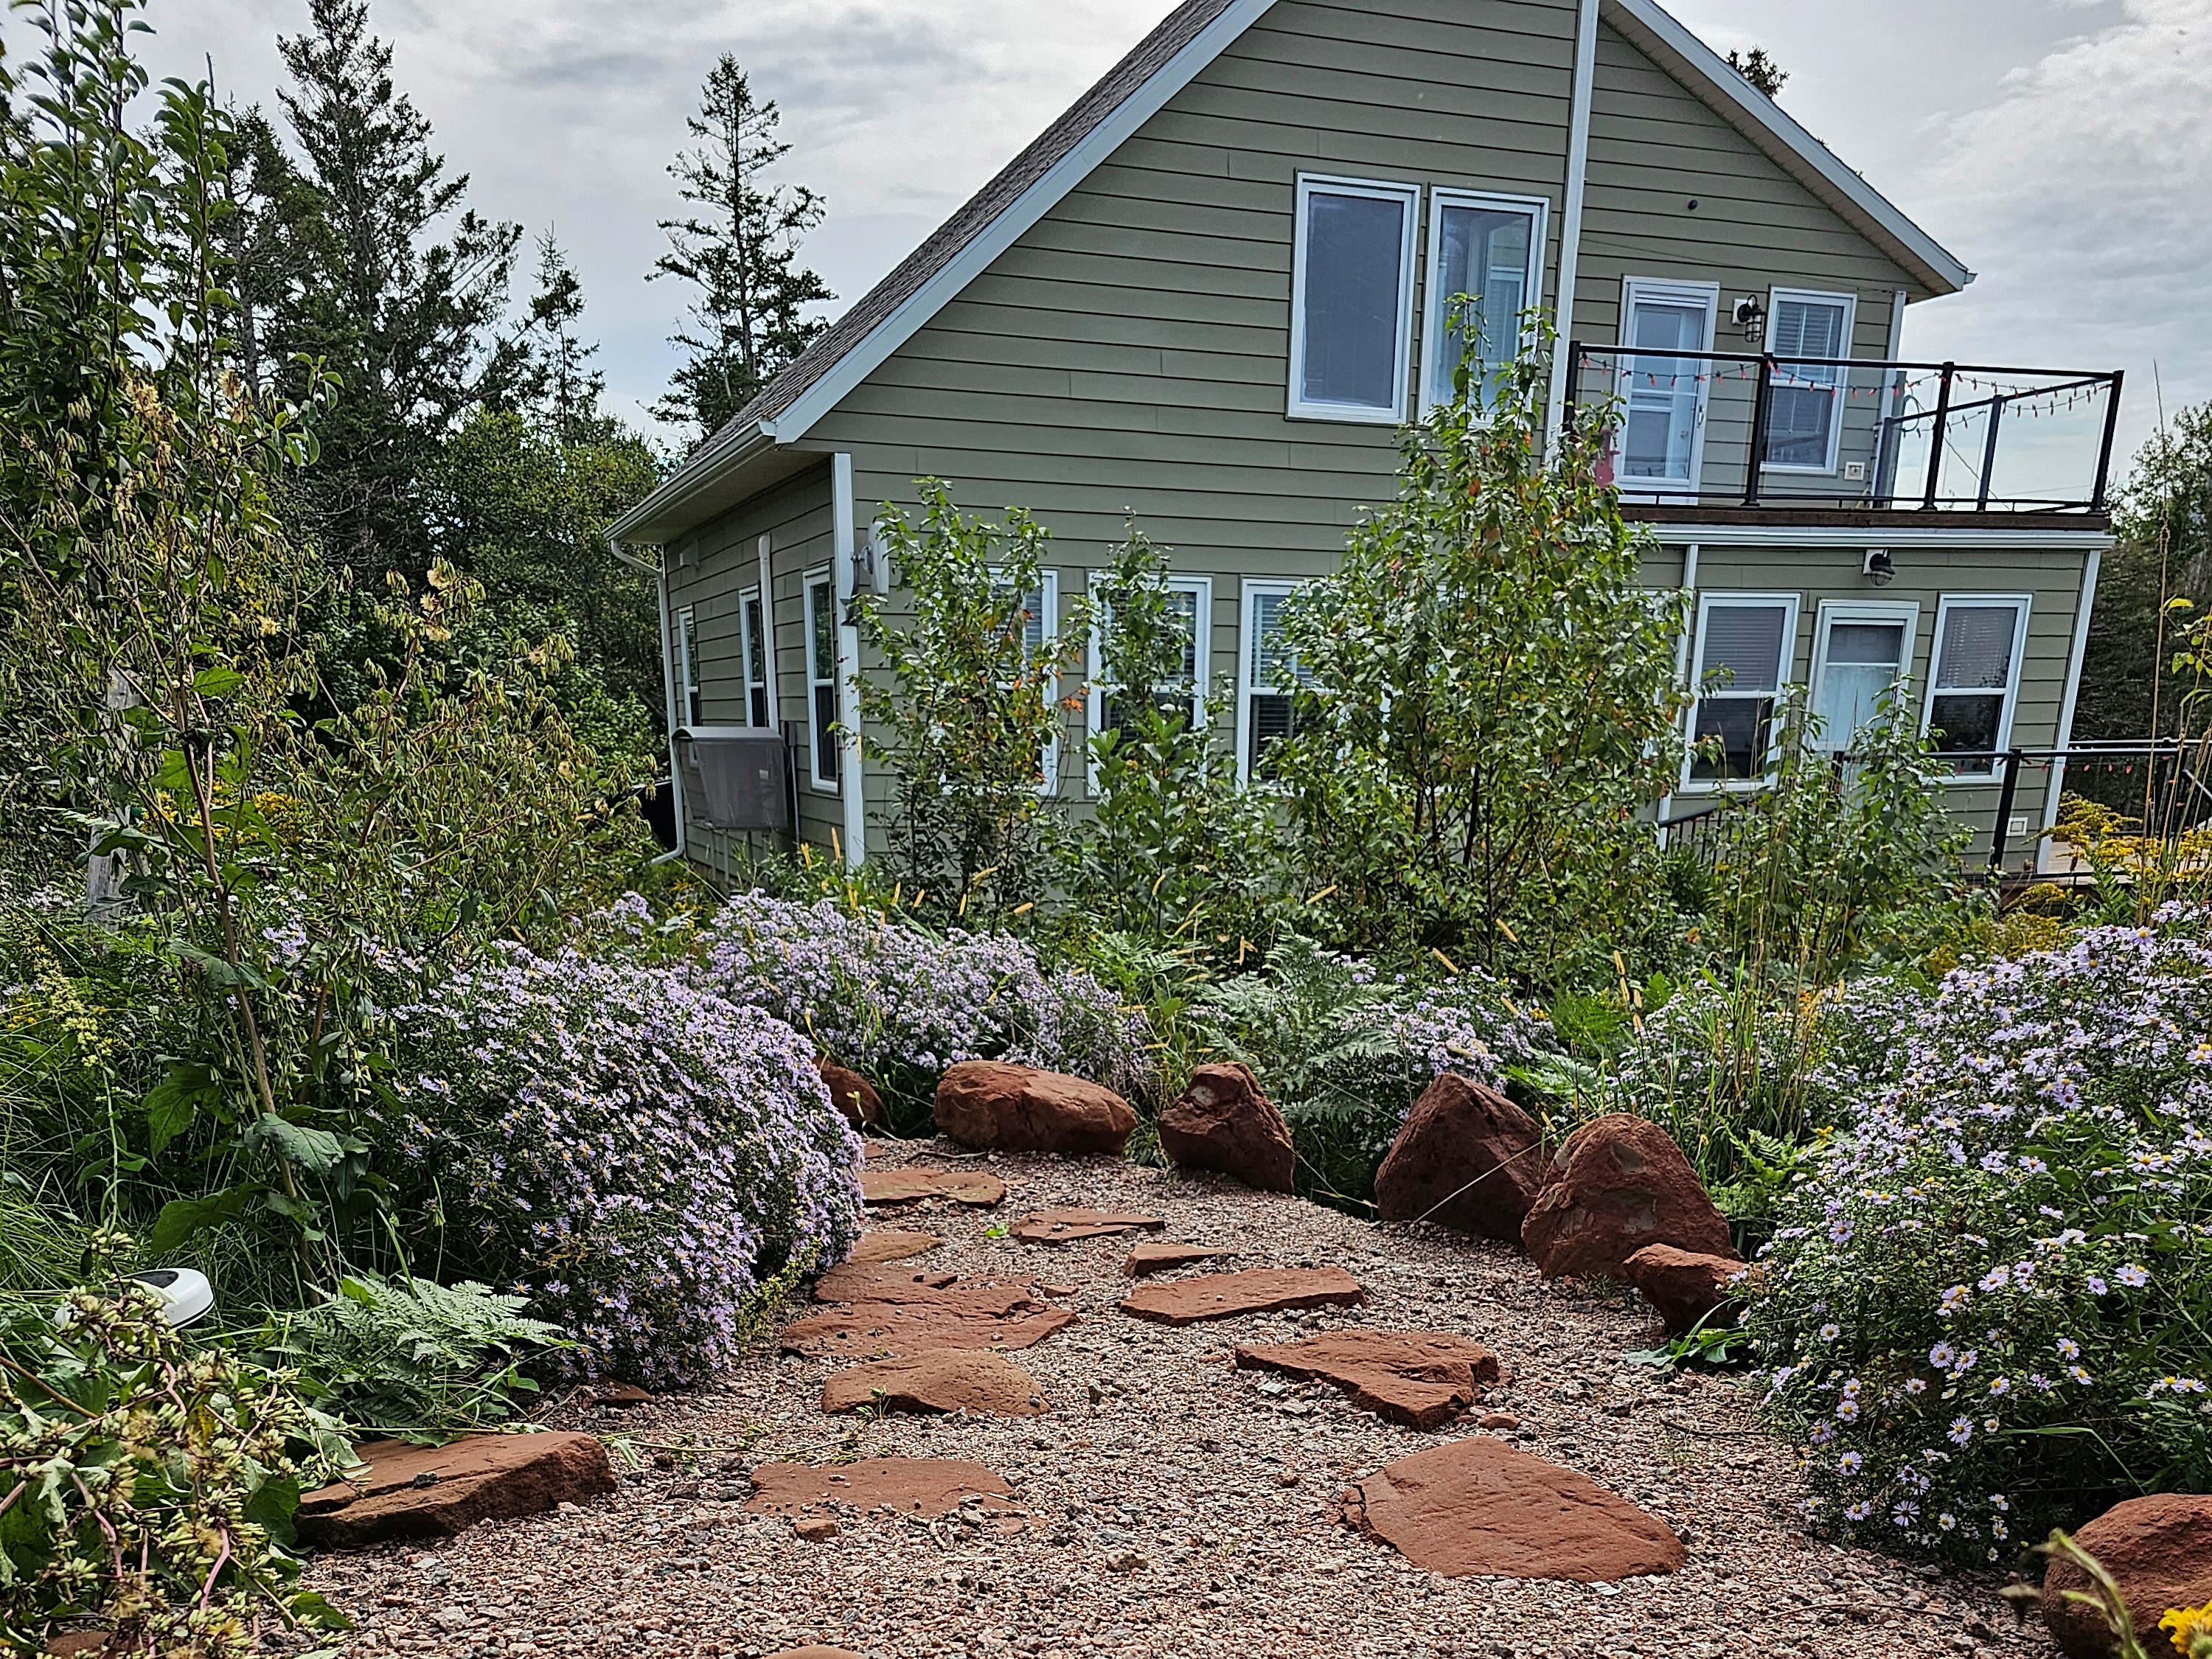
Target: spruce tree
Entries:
(740, 251)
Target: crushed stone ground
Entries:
(1173, 1504)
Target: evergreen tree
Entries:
(408, 322)
(565, 390)
(740, 251)
(1762, 71)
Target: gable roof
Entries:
(1130, 94)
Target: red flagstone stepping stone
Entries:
(880, 1282)
(620, 1395)
(887, 1244)
(971, 1316)
(1257, 1290)
(1477, 1508)
(946, 1380)
(1064, 1225)
(912, 1486)
(970, 1186)
(434, 1492)
(1018, 1109)
(815, 1652)
(1159, 1256)
(1422, 1379)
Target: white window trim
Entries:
(1094, 713)
(2011, 705)
(816, 745)
(1049, 581)
(1252, 589)
(1839, 397)
(1432, 329)
(1833, 611)
(1666, 288)
(687, 667)
(1706, 601)
(1298, 407)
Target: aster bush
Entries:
(1986, 1311)
(902, 1003)
(645, 1159)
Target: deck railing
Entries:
(1752, 429)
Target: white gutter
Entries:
(852, 785)
(1571, 221)
(660, 576)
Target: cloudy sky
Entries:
(2062, 148)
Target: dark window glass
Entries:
(1353, 267)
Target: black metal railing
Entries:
(1762, 430)
(2162, 789)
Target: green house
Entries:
(1212, 289)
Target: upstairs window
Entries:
(1351, 299)
(687, 667)
(755, 643)
(1975, 678)
(1269, 679)
(1745, 643)
(821, 676)
(1805, 404)
(1490, 248)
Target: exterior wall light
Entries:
(1751, 318)
(1879, 567)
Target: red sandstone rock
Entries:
(1683, 1285)
(1154, 1256)
(943, 1380)
(852, 1094)
(879, 1282)
(1225, 1296)
(479, 1477)
(884, 1244)
(976, 1317)
(970, 1186)
(1479, 1507)
(1065, 1226)
(815, 1652)
(2159, 1551)
(621, 1396)
(1466, 1158)
(1222, 1121)
(1422, 1379)
(912, 1486)
(1017, 1108)
(1618, 1184)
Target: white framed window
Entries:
(1663, 397)
(688, 699)
(821, 592)
(753, 639)
(1268, 675)
(1745, 646)
(1861, 648)
(1974, 680)
(1190, 600)
(1041, 623)
(1351, 299)
(1805, 404)
(1491, 248)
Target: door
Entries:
(1663, 397)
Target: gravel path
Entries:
(1173, 1504)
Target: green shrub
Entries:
(147, 1488)
(1985, 1312)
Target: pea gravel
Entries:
(1172, 1504)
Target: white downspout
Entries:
(1571, 220)
(659, 574)
(852, 785)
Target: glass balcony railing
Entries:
(1708, 428)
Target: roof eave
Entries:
(660, 517)
(1659, 36)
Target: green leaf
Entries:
(217, 682)
(183, 1218)
(316, 1150)
(174, 1101)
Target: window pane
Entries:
(1976, 650)
(1663, 393)
(759, 699)
(825, 743)
(1352, 269)
(1741, 726)
(1748, 638)
(1483, 253)
(1862, 663)
(1797, 422)
(1809, 327)
(1270, 723)
(1182, 608)
(1273, 664)
(1033, 619)
(756, 647)
(823, 643)
(1967, 723)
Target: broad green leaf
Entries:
(217, 682)
(183, 1218)
(316, 1150)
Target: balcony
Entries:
(1732, 437)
